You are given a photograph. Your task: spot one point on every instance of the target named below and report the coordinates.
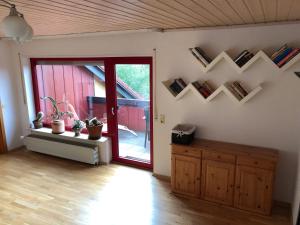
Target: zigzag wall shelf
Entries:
(258, 55)
(223, 88)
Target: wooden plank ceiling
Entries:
(58, 17)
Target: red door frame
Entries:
(111, 95)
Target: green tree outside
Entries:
(136, 76)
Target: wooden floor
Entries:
(37, 189)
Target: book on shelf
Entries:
(203, 60)
(278, 51)
(240, 88)
(291, 55)
(242, 61)
(203, 54)
(237, 95)
(180, 82)
(282, 55)
(208, 86)
(242, 54)
(177, 86)
(205, 92)
(237, 90)
(196, 56)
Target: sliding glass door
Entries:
(133, 112)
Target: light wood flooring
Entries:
(37, 189)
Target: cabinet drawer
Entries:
(185, 150)
(256, 162)
(216, 156)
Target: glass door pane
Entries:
(133, 111)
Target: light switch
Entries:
(162, 118)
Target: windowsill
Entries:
(67, 135)
(69, 129)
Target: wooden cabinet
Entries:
(253, 189)
(234, 175)
(186, 175)
(217, 182)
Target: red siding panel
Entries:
(48, 86)
(39, 74)
(78, 93)
(59, 85)
(69, 85)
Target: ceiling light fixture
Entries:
(14, 25)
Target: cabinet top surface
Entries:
(231, 148)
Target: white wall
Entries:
(267, 120)
(9, 97)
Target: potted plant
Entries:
(78, 125)
(58, 123)
(38, 122)
(94, 128)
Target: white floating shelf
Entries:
(223, 88)
(260, 54)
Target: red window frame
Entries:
(109, 64)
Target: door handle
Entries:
(113, 111)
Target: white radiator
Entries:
(81, 152)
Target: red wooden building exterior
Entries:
(73, 85)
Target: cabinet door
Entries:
(186, 175)
(253, 189)
(217, 182)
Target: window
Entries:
(73, 85)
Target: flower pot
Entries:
(95, 132)
(37, 124)
(77, 131)
(58, 126)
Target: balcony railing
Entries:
(132, 113)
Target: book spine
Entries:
(245, 59)
(234, 92)
(204, 92)
(200, 56)
(200, 89)
(195, 55)
(208, 86)
(201, 52)
(238, 90)
(182, 82)
(179, 83)
(288, 57)
(175, 87)
(278, 51)
(241, 88)
(243, 53)
(282, 55)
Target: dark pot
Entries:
(95, 132)
(37, 124)
(77, 131)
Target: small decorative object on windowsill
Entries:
(94, 128)
(38, 122)
(58, 123)
(77, 127)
